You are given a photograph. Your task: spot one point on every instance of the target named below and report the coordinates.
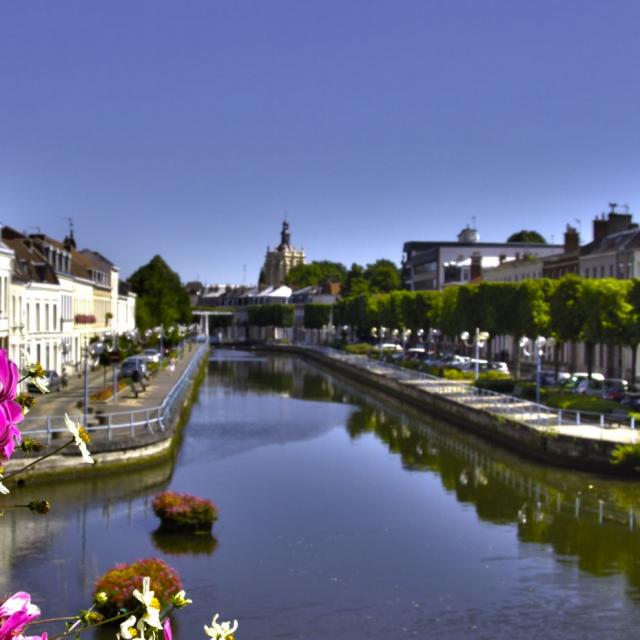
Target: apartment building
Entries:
(57, 298)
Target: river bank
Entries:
(512, 423)
(140, 432)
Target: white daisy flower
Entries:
(221, 631)
(81, 438)
(151, 604)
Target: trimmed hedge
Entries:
(316, 315)
(271, 315)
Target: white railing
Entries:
(518, 409)
(120, 424)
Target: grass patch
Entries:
(575, 402)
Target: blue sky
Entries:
(188, 128)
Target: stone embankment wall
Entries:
(142, 449)
(569, 451)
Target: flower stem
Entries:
(44, 457)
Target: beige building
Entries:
(57, 298)
(279, 261)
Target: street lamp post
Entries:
(539, 346)
(406, 334)
(94, 350)
(379, 333)
(479, 341)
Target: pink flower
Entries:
(9, 377)
(10, 411)
(9, 434)
(166, 628)
(15, 614)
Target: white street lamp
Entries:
(539, 345)
(480, 339)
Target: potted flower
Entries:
(184, 512)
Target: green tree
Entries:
(631, 325)
(383, 276)
(162, 300)
(356, 284)
(567, 312)
(606, 305)
(527, 236)
(316, 273)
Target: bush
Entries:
(184, 512)
(627, 456)
(577, 402)
(448, 373)
(118, 583)
(495, 381)
(360, 348)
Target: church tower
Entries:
(280, 260)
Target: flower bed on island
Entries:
(184, 512)
(119, 583)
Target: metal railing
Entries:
(518, 409)
(121, 423)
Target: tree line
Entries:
(571, 309)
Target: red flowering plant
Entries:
(140, 613)
(120, 583)
(184, 512)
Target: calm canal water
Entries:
(346, 516)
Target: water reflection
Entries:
(587, 516)
(175, 543)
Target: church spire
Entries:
(285, 236)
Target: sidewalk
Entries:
(50, 409)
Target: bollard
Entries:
(131, 423)
(577, 417)
(577, 506)
(600, 511)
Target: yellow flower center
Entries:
(37, 370)
(84, 436)
(133, 632)
(155, 603)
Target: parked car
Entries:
(453, 361)
(134, 363)
(470, 365)
(501, 367)
(615, 389)
(569, 384)
(388, 346)
(631, 401)
(52, 378)
(151, 355)
(589, 387)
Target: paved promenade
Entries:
(537, 417)
(48, 414)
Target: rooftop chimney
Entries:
(476, 266)
(571, 240)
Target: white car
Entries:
(151, 355)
